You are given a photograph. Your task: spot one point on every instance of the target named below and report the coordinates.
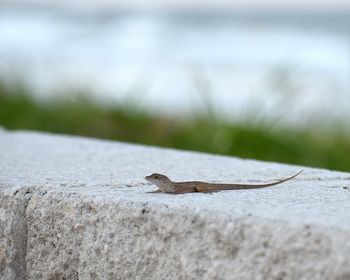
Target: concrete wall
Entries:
(76, 208)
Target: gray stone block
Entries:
(77, 208)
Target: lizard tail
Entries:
(222, 187)
(272, 184)
(281, 181)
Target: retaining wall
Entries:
(77, 208)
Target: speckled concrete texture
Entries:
(77, 208)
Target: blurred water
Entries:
(292, 68)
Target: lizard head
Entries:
(159, 180)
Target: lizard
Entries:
(165, 185)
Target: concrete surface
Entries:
(77, 208)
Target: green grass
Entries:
(80, 116)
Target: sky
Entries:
(288, 4)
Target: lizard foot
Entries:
(157, 191)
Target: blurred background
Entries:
(255, 79)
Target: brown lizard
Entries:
(165, 185)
